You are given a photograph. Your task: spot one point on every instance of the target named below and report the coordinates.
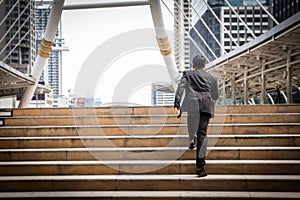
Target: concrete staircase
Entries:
(141, 153)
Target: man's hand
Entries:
(177, 110)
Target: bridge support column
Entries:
(233, 90)
(263, 82)
(245, 86)
(44, 51)
(288, 78)
(224, 93)
(163, 40)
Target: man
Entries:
(201, 90)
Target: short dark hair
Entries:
(199, 61)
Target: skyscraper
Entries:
(17, 34)
(182, 21)
(234, 33)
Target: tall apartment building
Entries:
(182, 20)
(251, 13)
(17, 34)
(52, 73)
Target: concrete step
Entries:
(150, 110)
(171, 182)
(292, 108)
(147, 119)
(153, 129)
(258, 167)
(150, 195)
(149, 153)
(91, 120)
(146, 141)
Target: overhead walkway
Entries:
(14, 82)
(270, 61)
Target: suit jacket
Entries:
(201, 91)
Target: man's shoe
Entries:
(201, 173)
(193, 144)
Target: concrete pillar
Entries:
(224, 93)
(263, 82)
(44, 51)
(233, 90)
(245, 86)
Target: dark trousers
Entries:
(197, 127)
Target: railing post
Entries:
(263, 82)
(288, 77)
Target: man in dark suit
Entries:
(201, 90)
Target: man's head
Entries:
(198, 62)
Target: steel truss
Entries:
(270, 61)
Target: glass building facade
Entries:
(216, 3)
(237, 33)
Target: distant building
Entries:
(159, 98)
(85, 102)
(17, 34)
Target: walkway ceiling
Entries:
(13, 82)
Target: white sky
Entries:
(84, 30)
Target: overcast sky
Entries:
(85, 30)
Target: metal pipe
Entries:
(105, 4)
(163, 41)
(8, 13)
(44, 51)
(12, 26)
(284, 96)
(13, 37)
(17, 45)
(271, 99)
(25, 35)
(252, 100)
